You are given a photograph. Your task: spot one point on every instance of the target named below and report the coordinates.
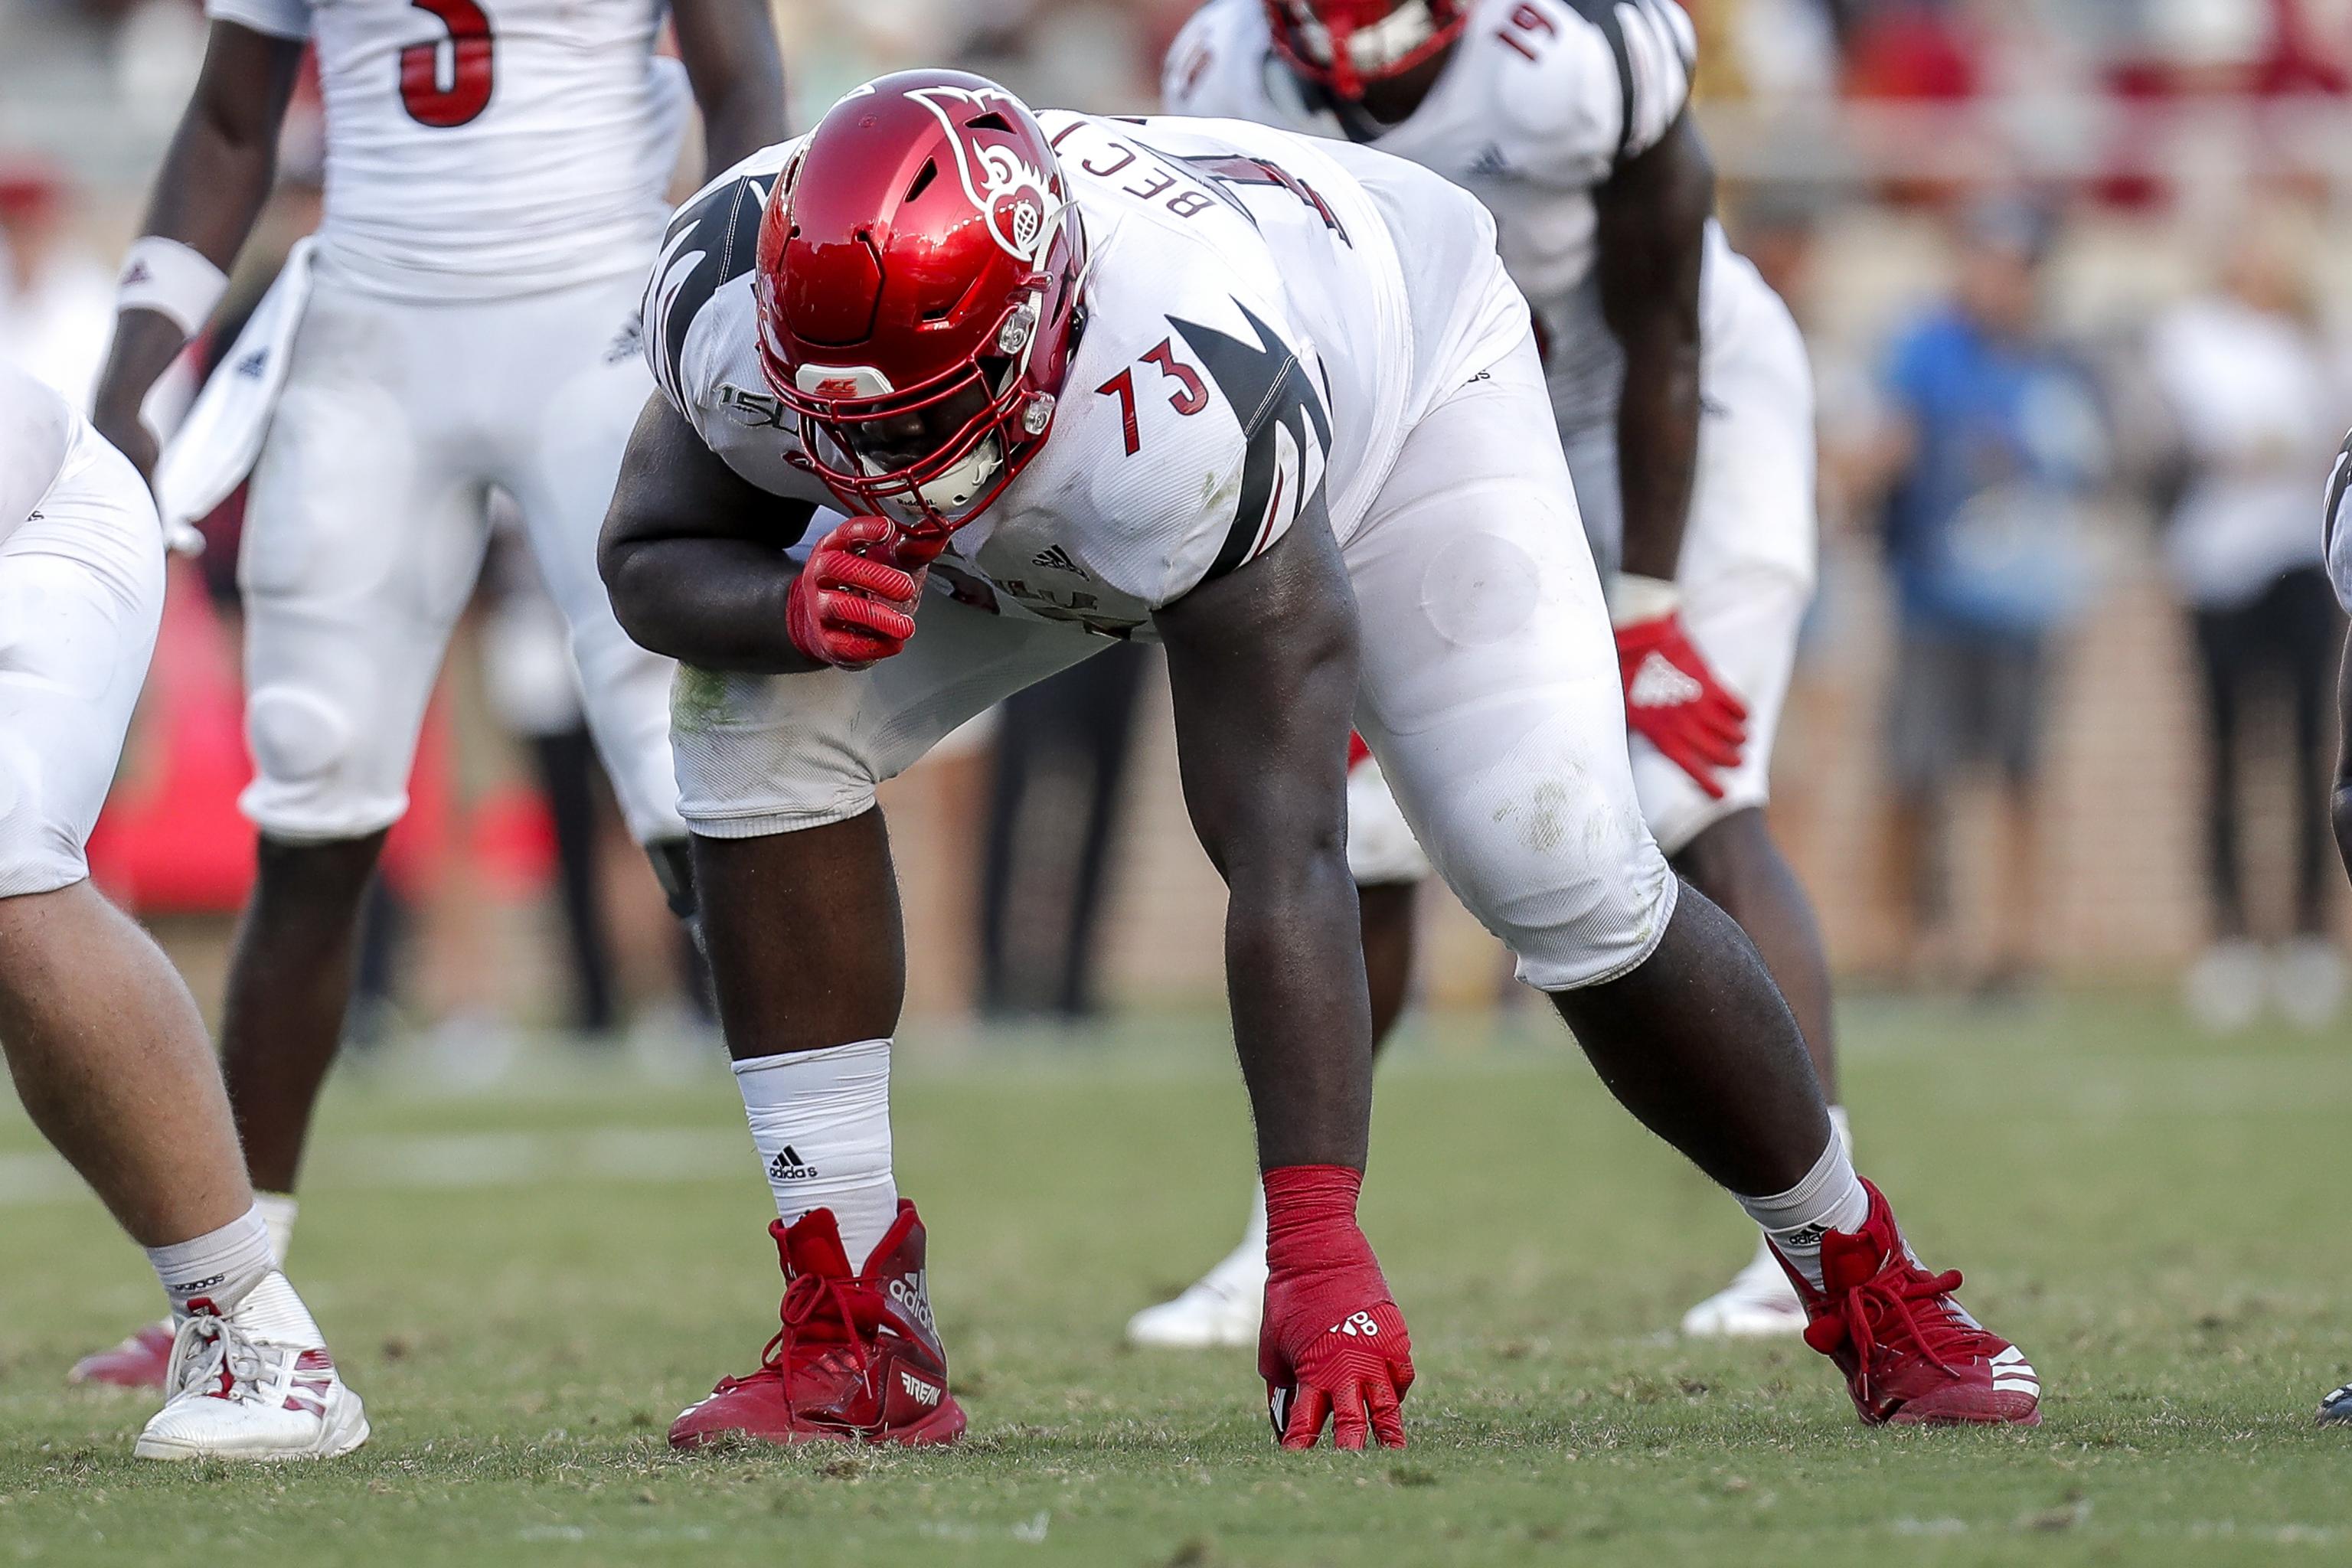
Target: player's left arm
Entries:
(1651, 215)
(729, 48)
(1262, 666)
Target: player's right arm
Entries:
(214, 179)
(693, 554)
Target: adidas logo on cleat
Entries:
(788, 1166)
(922, 1393)
(912, 1295)
(2013, 1373)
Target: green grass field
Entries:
(526, 1286)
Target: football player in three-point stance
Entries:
(1683, 401)
(101, 1036)
(1231, 388)
(496, 187)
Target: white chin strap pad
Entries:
(960, 486)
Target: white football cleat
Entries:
(2309, 982)
(2223, 989)
(1221, 1308)
(255, 1385)
(1759, 1303)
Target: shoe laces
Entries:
(217, 1359)
(805, 1297)
(1901, 1301)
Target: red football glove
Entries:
(854, 601)
(1673, 698)
(1333, 1345)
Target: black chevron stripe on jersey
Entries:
(2338, 481)
(1269, 391)
(714, 237)
(1603, 14)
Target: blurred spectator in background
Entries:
(56, 295)
(2255, 413)
(1993, 441)
(1062, 752)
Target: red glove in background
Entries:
(1674, 700)
(1333, 1345)
(854, 601)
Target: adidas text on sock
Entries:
(219, 1266)
(820, 1123)
(1830, 1197)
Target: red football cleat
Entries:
(857, 1358)
(140, 1361)
(1911, 1354)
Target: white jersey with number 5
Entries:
(1257, 328)
(478, 149)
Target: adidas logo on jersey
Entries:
(788, 1166)
(1488, 164)
(1053, 558)
(1658, 684)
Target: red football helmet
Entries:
(1347, 44)
(919, 273)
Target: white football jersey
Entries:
(483, 148)
(1540, 101)
(37, 432)
(1250, 336)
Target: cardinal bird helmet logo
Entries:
(1017, 200)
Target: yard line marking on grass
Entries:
(627, 1156)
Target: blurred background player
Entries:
(102, 1039)
(496, 186)
(2243, 369)
(1992, 443)
(1685, 404)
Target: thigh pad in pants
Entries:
(1490, 689)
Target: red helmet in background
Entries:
(918, 271)
(1346, 45)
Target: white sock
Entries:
(821, 1121)
(277, 1212)
(220, 1266)
(1844, 1132)
(1830, 1197)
